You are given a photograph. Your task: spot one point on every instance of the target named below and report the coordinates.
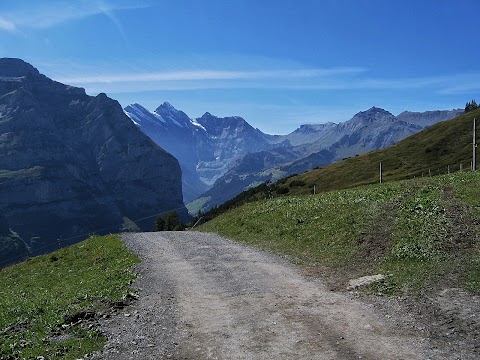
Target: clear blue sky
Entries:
(277, 63)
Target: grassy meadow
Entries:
(49, 304)
(424, 231)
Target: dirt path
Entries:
(204, 297)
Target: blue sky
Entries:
(277, 63)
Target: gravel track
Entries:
(205, 297)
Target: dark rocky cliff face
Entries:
(73, 164)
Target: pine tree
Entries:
(159, 224)
(469, 106)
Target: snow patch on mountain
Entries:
(197, 124)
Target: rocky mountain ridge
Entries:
(206, 147)
(73, 164)
(234, 156)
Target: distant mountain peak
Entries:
(371, 115)
(166, 107)
(375, 109)
(207, 115)
(12, 67)
(172, 115)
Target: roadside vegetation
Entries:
(423, 232)
(49, 304)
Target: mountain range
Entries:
(221, 157)
(72, 165)
(205, 147)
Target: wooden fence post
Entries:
(474, 158)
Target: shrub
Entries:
(169, 222)
(282, 190)
(297, 183)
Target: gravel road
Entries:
(205, 297)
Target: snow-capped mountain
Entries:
(205, 147)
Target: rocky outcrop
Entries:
(73, 164)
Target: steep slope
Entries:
(72, 164)
(441, 147)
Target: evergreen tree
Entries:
(159, 224)
(469, 106)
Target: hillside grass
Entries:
(423, 231)
(49, 304)
(427, 153)
(434, 151)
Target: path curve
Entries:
(205, 297)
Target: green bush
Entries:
(297, 183)
(169, 222)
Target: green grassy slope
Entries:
(48, 305)
(448, 143)
(423, 231)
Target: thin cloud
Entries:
(202, 75)
(295, 78)
(108, 12)
(7, 25)
(307, 79)
(45, 14)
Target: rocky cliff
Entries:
(73, 164)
